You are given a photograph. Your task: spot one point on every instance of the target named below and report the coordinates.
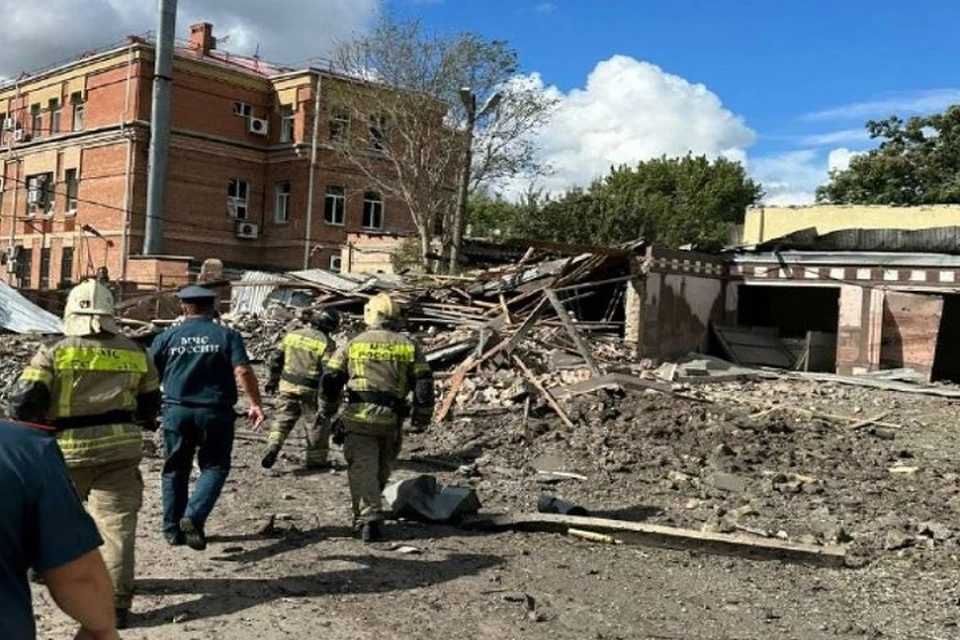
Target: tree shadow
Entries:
(228, 596)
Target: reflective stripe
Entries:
(99, 359)
(74, 442)
(297, 341)
(366, 351)
(35, 374)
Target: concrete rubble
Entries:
(533, 398)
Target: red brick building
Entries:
(74, 145)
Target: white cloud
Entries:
(545, 7)
(839, 159)
(913, 103)
(631, 111)
(81, 25)
(830, 138)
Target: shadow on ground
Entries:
(374, 574)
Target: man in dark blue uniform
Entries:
(200, 363)
(45, 528)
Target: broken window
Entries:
(73, 188)
(339, 125)
(76, 99)
(40, 193)
(54, 109)
(237, 192)
(378, 127)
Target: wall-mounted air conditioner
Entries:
(258, 126)
(248, 230)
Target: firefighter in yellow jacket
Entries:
(380, 368)
(98, 389)
(295, 370)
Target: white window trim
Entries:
(342, 197)
(344, 133)
(285, 197)
(382, 213)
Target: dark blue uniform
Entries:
(196, 361)
(43, 526)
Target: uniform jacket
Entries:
(96, 391)
(379, 369)
(300, 361)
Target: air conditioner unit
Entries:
(247, 230)
(20, 135)
(9, 124)
(258, 126)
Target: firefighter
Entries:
(380, 368)
(295, 370)
(97, 389)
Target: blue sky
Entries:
(783, 85)
(803, 75)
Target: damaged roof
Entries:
(933, 240)
(19, 315)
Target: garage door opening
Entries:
(805, 317)
(946, 362)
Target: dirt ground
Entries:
(718, 465)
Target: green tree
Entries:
(668, 201)
(917, 162)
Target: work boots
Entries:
(270, 456)
(193, 535)
(372, 531)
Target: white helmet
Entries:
(89, 310)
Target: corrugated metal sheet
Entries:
(933, 240)
(19, 315)
(850, 258)
(248, 296)
(346, 282)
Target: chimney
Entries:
(201, 38)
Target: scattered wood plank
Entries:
(546, 394)
(668, 537)
(610, 381)
(592, 536)
(574, 334)
(869, 421)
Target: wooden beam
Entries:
(574, 334)
(546, 394)
(667, 537)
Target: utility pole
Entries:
(160, 128)
(469, 99)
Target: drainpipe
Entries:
(128, 181)
(308, 239)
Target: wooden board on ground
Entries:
(609, 381)
(667, 537)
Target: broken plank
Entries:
(869, 421)
(574, 333)
(546, 394)
(668, 537)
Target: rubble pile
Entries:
(16, 350)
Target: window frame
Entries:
(43, 282)
(282, 192)
(66, 275)
(288, 123)
(237, 203)
(372, 200)
(54, 107)
(339, 125)
(72, 189)
(36, 121)
(76, 99)
(330, 196)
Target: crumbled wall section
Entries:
(682, 293)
